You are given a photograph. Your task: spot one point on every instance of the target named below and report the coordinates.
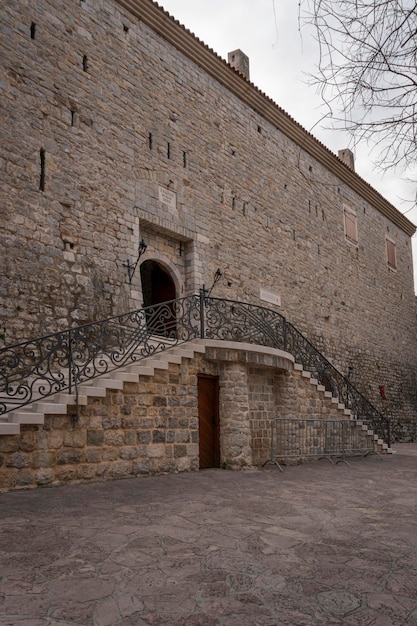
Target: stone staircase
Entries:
(59, 403)
(342, 412)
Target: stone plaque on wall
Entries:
(167, 197)
(272, 298)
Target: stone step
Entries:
(340, 405)
(22, 417)
(188, 351)
(9, 428)
(108, 381)
(93, 392)
(142, 370)
(197, 346)
(70, 399)
(49, 408)
(159, 364)
(126, 377)
(169, 357)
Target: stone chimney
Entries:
(347, 157)
(239, 61)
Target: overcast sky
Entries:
(280, 59)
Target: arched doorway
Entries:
(158, 287)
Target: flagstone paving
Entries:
(320, 544)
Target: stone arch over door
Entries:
(158, 286)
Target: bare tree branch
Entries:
(367, 72)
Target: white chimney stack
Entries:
(239, 61)
(347, 157)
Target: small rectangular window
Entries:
(351, 225)
(391, 254)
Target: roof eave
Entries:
(172, 31)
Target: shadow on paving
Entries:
(319, 544)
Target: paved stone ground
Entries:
(319, 544)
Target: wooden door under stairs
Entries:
(208, 417)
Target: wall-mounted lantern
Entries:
(217, 277)
(131, 267)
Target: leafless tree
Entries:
(367, 72)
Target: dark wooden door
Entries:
(208, 418)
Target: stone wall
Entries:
(289, 394)
(263, 408)
(149, 427)
(152, 426)
(110, 134)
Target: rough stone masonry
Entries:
(118, 125)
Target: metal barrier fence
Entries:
(301, 439)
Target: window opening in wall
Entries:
(72, 117)
(125, 29)
(85, 63)
(33, 30)
(351, 225)
(391, 254)
(184, 159)
(42, 173)
(168, 150)
(150, 142)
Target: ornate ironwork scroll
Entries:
(248, 323)
(37, 369)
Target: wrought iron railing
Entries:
(339, 385)
(36, 369)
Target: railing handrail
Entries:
(93, 349)
(346, 379)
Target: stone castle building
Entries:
(118, 126)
